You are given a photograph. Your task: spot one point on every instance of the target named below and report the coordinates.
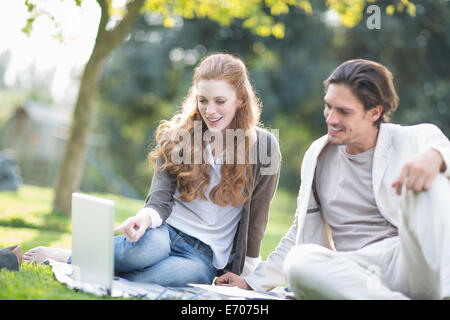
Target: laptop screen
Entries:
(92, 238)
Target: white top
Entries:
(208, 222)
(344, 186)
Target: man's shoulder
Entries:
(408, 131)
(318, 143)
(395, 127)
(314, 149)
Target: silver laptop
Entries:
(93, 248)
(93, 253)
(92, 239)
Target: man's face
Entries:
(348, 123)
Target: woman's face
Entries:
(217, 103)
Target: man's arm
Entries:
(230, 279)
(433, 158)
(420, 172)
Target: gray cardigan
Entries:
(255, 212)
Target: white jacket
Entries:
(395, 145)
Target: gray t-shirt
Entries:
(344, 187)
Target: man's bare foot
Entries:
(40, 254)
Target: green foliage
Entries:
(147, 77)
(285, 74)
(224, 25)
(257, 16)
(416, 51)
(34, 11)
(260, 17)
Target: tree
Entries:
(258, 16)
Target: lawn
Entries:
(26, 219)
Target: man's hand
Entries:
(230, 279)
(420, 171)
(134, 227)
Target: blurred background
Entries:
(146, 77)
(85, 83)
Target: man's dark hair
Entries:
(370, 82)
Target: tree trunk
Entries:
(72, 163)
(71, 167)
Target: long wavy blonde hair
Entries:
(193, 179)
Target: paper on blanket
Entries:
(236, 292)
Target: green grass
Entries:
(36, 282)
(26, 218)
(30, 207)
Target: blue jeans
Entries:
(164, 256)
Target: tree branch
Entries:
(116, 35)
(104, 16)
(124, 26)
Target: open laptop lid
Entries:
(92, 238)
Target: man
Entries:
(373, 215)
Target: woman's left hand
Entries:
(134, 227)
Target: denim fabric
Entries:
(164, 256)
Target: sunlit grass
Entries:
(30, 238)
(30, 207)
(282, 211)
(36, 282)
(26, 218)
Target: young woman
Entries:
(208, 205)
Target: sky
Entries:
(78, 26)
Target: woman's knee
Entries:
(197, 271)
(175, 272)
(151, 248)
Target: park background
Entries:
(289, 47)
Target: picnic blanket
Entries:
(70, 275)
